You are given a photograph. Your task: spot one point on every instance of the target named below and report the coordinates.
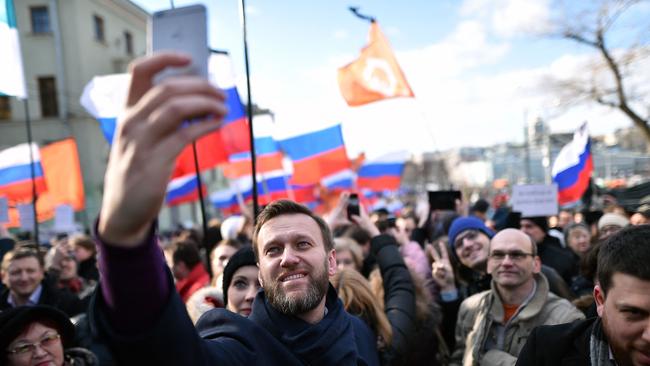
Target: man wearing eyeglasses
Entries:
(493, 325)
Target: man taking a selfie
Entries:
(297, 318)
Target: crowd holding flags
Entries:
(301, 167)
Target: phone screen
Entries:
(181, 30)
(353, 205)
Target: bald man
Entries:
(493, 325)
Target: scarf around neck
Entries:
(329, 342)
(599, 351)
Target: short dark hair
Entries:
(20, 253)
(287, 207)
(186, 251)
(85, 242)
(628, 252)
(358, 234)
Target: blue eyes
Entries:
(301, 245)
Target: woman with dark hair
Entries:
(39, 335)
(240, 282)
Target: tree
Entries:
(608, 78)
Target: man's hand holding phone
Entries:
(148, 140)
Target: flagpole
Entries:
(28, 124)
(249, 110)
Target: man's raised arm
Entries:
(149, 137)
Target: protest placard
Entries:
(535, 199)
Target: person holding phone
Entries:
(296, 318)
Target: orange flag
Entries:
(375, 75)
(62, 172)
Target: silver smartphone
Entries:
(183, 30)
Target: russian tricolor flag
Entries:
(274, 187)
(343, 180)
(104, 98)
(573, 167)
(234, 131)
(267, 158)
(316, 155)
(226, 201)
(183, 190)
(306, 195)
(382, 174)
(15, 172)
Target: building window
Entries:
(47, 93)
(40, 19)
(98, 25)
(5, 108)
(128, 41)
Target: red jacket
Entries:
(197, 279)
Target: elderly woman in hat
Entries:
(38, 335)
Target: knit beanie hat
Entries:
(540, 221)
(243, 257)
(612, 219)
(466, 223)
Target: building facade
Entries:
(65, 43)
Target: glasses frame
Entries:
(44, 343)
(515, 256)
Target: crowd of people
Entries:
(432, 287)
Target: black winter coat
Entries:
(221, 337)
(399, 302)
(562, 260)
(558, 345)
(63, 300)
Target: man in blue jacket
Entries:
(297, 319)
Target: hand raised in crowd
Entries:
(363, 220)
(339, 214)
(148, 139)
(441, 268)
(399, 234)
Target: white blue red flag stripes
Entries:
(12, 79)
(104, 98)
(182, 190)
(383, 173)
(316, 155)
(15, 172)
(573, 167)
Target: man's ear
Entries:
(259, 276)
(599, 297)
(537, 264)
(331, 263)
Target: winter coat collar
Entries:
(329, 342)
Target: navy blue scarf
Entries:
(330, 342)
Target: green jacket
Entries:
(482, 338)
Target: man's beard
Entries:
(302, 302)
